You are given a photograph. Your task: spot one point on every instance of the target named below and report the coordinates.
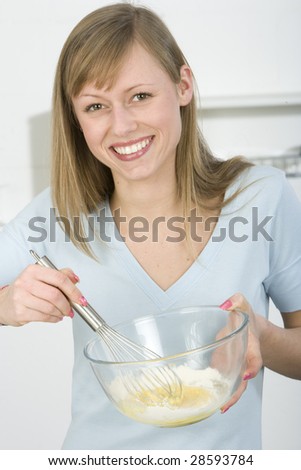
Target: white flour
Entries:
(203, 392)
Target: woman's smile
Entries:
(131, 150)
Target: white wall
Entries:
(242, 52)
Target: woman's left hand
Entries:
(254, 358)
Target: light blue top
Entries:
(255, 249)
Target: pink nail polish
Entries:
(83, 301)
(247, 376)
(71, 314)
(227, 304)
(76, 278)
(225, 409)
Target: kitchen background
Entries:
(246, 59)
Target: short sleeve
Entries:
(15, 242)
(14, 255)
(283, 284)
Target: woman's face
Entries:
(134, 126)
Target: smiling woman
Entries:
(128, 156)
(124, 81)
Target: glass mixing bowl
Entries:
(204, 346)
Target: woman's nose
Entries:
(123, 122)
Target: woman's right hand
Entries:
(39, 294)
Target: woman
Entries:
(128, 158)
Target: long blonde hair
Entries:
(93, 53)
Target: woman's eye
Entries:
(141, 96)
(94, 107)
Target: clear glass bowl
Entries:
(204, 346)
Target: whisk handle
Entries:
(87, 313)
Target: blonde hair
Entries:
(94, 53)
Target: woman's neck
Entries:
(144, 199)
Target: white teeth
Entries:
(132, 148)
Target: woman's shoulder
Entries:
(263, 174)
(42, 198)
(263, 179)
(259, 185)
(40, 205)
(38, 209)
(15, 234)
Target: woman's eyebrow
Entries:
(94, 95)
(139, 85)
(90, 95)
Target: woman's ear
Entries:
(185, 86)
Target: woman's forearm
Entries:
(281, 349)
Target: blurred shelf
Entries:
(250, 101)
(290, 164)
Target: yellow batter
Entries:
(194, 404)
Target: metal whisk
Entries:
(161, 382)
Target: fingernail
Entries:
(247, 376)
(83, 301)
(223, 410)
(75, 277)
(227, 304)
(71, 314)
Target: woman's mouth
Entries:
(133, 149)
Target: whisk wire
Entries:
(156, 383)
(160, 381)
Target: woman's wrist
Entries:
(1, 289)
